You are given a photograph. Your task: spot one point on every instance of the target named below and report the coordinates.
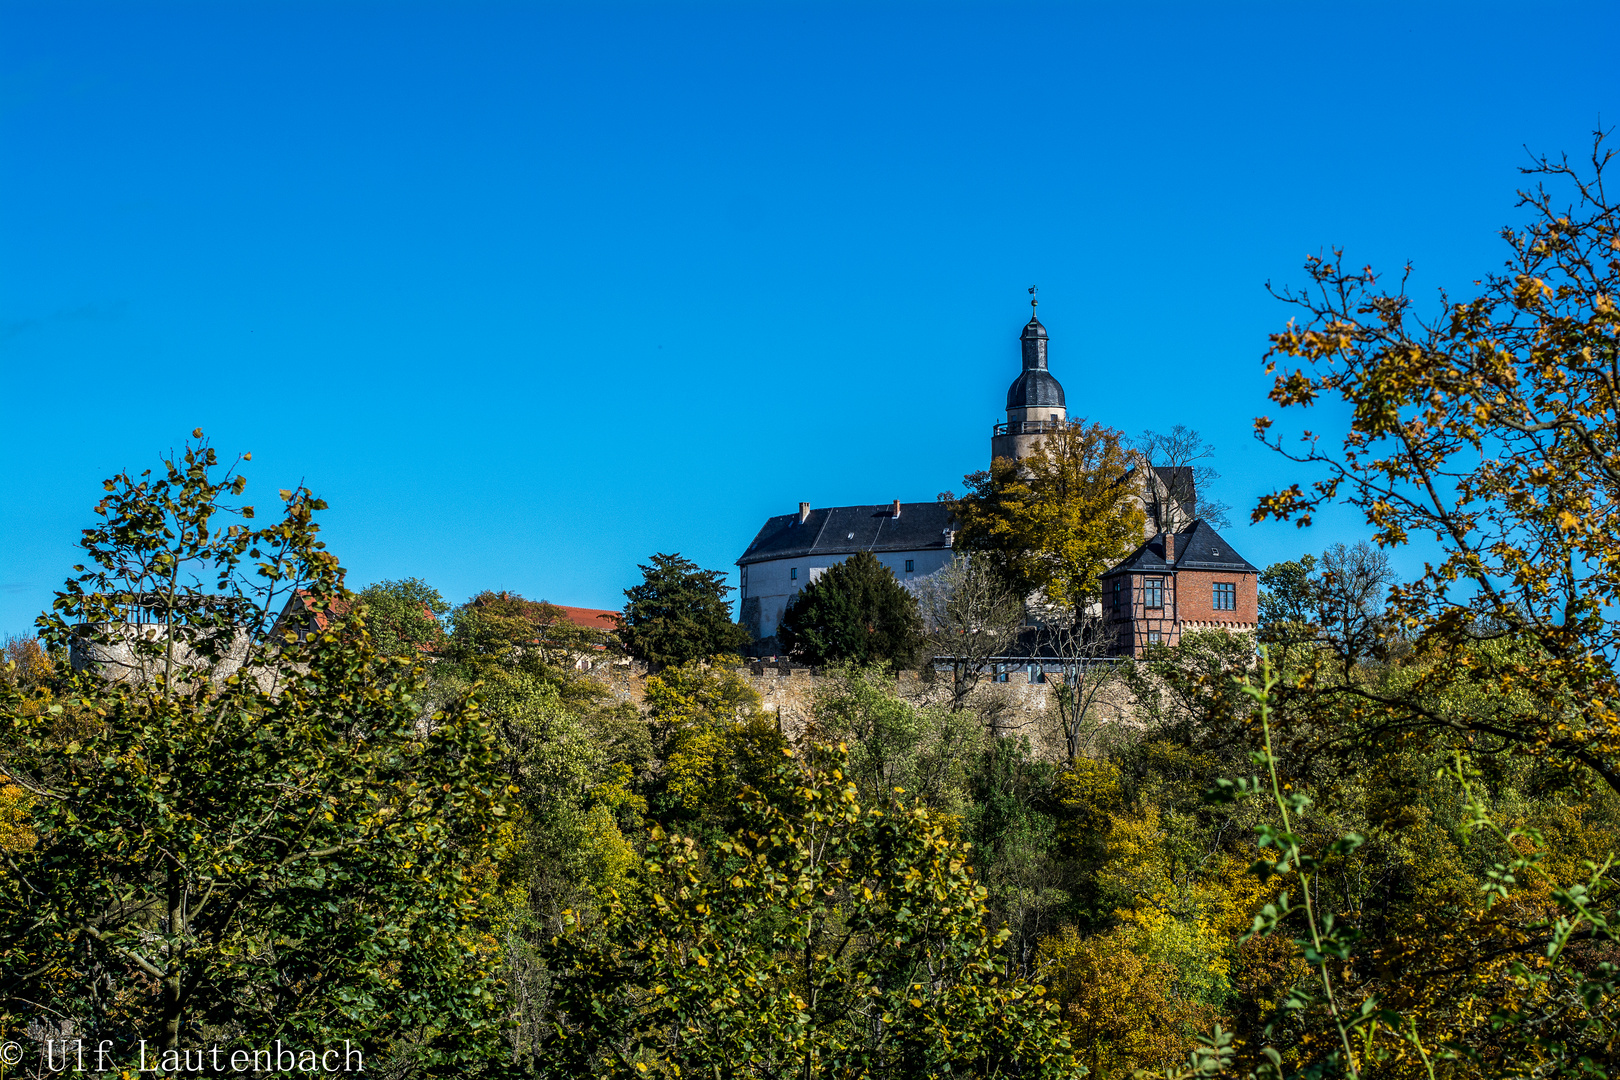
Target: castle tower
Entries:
(1034, 400)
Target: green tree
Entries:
(502, 632)
(403, 616)
(679, 613)
(856, 612)
(826, 938)
(252, 835)
(1013, 832)
(1057, 520)
(899, 750)
(713, 739)
(1289, 608)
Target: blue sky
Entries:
(528, 292)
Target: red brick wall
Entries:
(1198, 597)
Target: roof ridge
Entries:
(826, 516)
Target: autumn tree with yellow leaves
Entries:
(1489, 428)
(1055, 521)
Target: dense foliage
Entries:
(679, 613)
(403, 616)
(827, 936)
(855, 612)
(253, 835)
(1059, 518)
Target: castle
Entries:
(1181, 578)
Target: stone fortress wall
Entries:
(1016, 707)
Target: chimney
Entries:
(897, 508)
(1169, 547)
(804, 513)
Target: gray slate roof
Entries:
(1198, 547)
(844, 530)
(1035, 387)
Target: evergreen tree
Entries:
(857, 612)
(679, 613)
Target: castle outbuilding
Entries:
(1179, 581)
(792, 550)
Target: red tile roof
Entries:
(590, 618)
(303, 601)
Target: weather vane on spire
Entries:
(1033, 300)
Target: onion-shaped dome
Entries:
(1035, 389)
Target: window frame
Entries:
(1224, 590)
(793, 573)
(911, 566)
(1153, 594)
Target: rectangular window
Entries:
(1225, 596)
(1153, 593)
(911, 564)
(1153, 637)
(1117, 594)
(793, 573)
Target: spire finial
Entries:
(1033, 300)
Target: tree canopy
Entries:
(244, 835)
(840, 939)
(679, 613)
(1057, 520)
(1489, 427)
(855, 612)
(404, 616)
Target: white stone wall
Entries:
(773, 585)
(108, 650)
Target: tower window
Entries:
(911, 565)
(793, 573)
(1153, 593)
(1118, 585)
(1225, 596)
